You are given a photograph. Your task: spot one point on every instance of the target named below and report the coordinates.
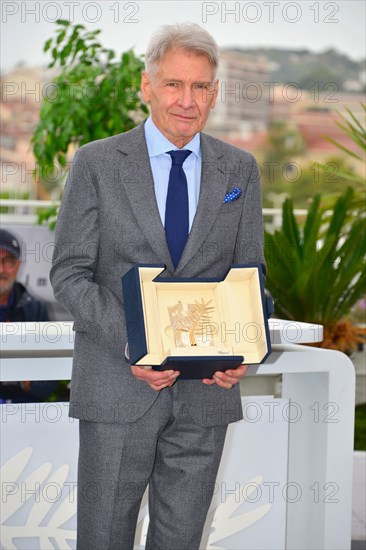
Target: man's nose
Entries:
(186, 99)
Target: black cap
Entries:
(9, 242)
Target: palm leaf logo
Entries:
(191, 319)
(225, 524)
(45, 519)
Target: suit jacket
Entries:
(108, 222)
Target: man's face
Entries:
(181, 94)
(9, 266)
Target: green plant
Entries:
(355, 131)
(61, 393)
(316, 272)
(95, 95)
(48, 215)
(353, 128)
(360, 428)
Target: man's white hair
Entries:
(186, 36)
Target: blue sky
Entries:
(315, 25)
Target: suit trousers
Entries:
(166, 450)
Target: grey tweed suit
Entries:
(108, 222)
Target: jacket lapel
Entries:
(138, 180)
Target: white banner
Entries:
(38, 479)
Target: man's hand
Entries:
(157, 380)
(228, 378)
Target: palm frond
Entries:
(317, 272)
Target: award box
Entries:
(196, 326)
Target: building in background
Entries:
(316, 115)
(22, 92)
(242, 107)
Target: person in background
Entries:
(18, 305)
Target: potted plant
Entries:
(316, 270)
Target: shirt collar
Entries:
(158, 144)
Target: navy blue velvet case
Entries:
(190, 367)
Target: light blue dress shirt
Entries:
(161, 162)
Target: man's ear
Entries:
(145, 87)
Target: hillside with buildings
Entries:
(285, 124)
(307, 68)
(258, 90)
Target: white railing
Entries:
(24, 212)
(273, 217)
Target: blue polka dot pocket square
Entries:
(233, 195)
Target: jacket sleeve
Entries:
(250, 242)
(96, 309)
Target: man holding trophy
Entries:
(162, 193)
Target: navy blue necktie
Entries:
(176, 209)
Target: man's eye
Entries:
(173, 84)
(202, 86)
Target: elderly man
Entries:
(152, 195)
